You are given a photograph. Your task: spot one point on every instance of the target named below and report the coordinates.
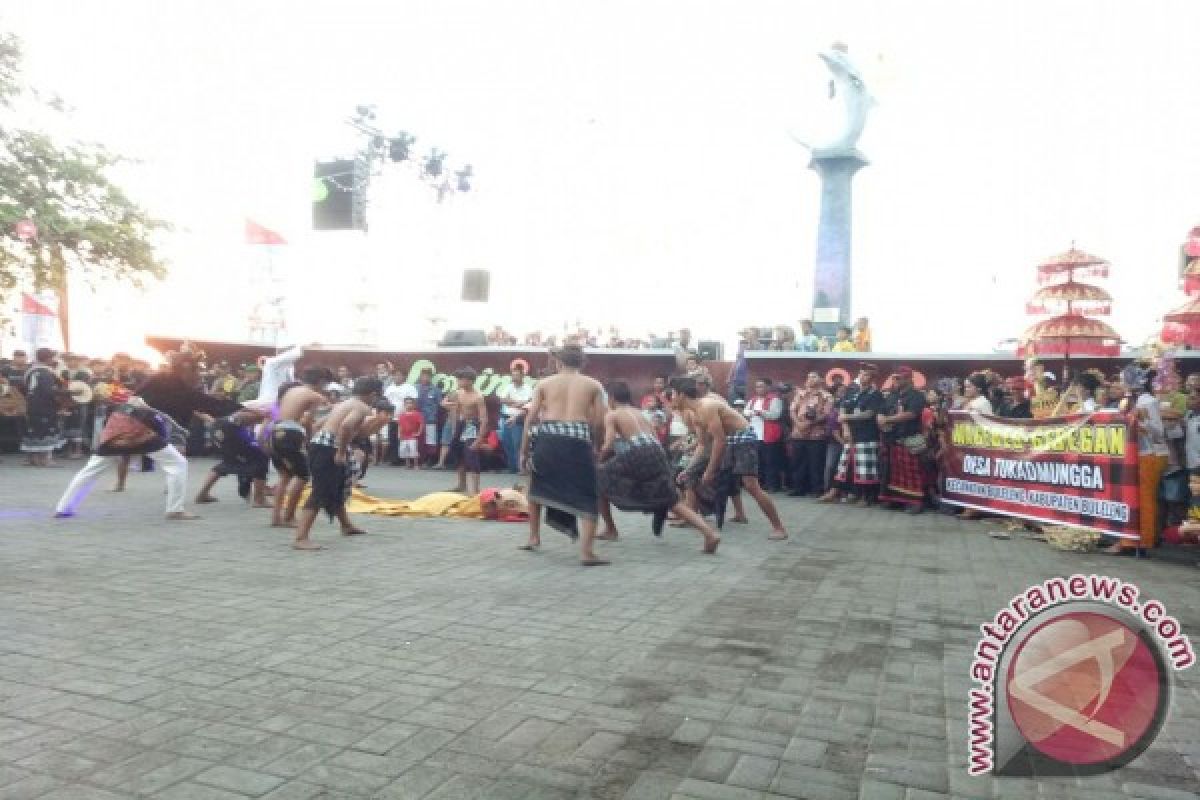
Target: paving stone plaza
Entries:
(432, 659)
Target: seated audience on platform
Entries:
(845, 340)
(862, 335)
(808, 341)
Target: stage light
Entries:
(398, 147)
(464, 185)
(433, 163)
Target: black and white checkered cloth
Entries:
(865, 456)
(574, 430)
(643, 440)
(744, 435)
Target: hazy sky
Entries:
(633, 161)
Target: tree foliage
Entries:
(82, 217)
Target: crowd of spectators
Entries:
(803, 430)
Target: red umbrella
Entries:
(1071, 261)
(1070, 297)
(1191, 247)
(1070, 334)
(1182, 326)
(1191, 276)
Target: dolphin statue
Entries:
(846, 81)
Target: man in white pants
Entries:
(137, 430)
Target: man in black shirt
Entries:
(907, 475)
(858, 469)
(176, 392)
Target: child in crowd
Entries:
(844, 343)
(409, 426)
(656, 415)
(862, 335)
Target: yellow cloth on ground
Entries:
(438, 504)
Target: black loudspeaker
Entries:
(476, 285)
(710, 351)
(339, 196)
(464, 339)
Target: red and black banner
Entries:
(1080, 470)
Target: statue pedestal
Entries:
(832, 279)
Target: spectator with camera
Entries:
(810, 410)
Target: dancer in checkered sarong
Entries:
(329, 462)
(563, 467)
(637, 474)
(858, 469)
(908, 474)
(734, 448)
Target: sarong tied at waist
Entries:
(564, 474)
(638, 440)
(332, 482)
(289, 425)
(575, 430)
(639, 477)
(739, 437)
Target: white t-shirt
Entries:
(514, 397)
(1152, 440)
(980, 405)
(397, 393)
(1191, 425)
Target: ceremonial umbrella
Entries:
(1182, 326)
(1070, 262)
(1070, 334)
(1191, 276)
(1070, 297)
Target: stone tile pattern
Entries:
(431, 659)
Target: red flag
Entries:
(257, 234)
(31, 305)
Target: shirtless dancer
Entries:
(289, 438)
(734, 446)
(637, 475)
(470, 432)
(700, 456)
(241, 455)
(327, 455)
(564, 409)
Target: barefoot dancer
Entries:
(133, 429)
(564, 410)
(241, 455)
(361, 447)
(637, 473)
(332, 477)
(698, 498)
(289, 437)
(470, 433)
(734, 448)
